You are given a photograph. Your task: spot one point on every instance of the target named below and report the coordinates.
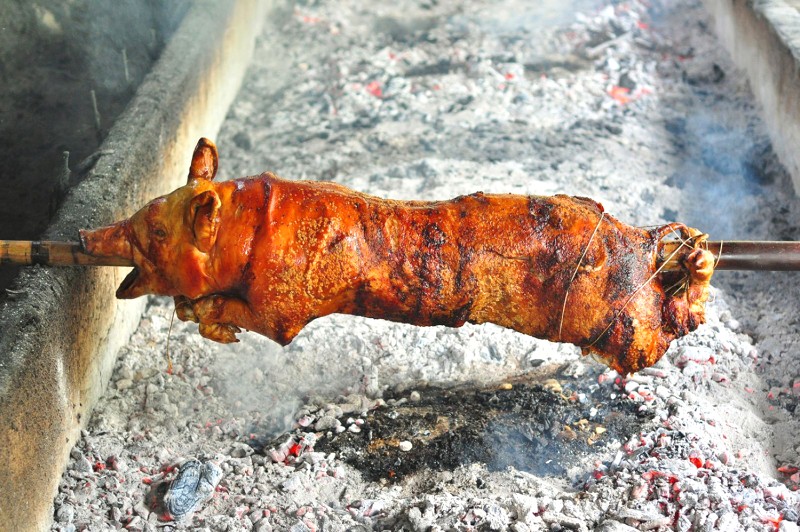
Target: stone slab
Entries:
(763, 37)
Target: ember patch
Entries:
(527, 426)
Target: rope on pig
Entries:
(633, 294)
(682, 285)
(169, 335)
(713, 293)
(575, 273)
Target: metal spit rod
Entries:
(743, 255)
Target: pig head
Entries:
(171, 242)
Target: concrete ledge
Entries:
(59, 339)
(763, 36)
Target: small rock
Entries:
(574, 369)
(496, 517)
(405, 446)
(141, 510)
(305, 421)
(65, 513)
(418, 521)
(262, 526)
(611, 525)
(83, 465)
(326, 422)
(552, 385)
(788, 526)
(334, 411)
(136, 524)
(293, 483)
(557, 506)
(525, 506)
(299, 527)
(240, 450)
(115, 514)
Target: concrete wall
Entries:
(763, 36)
(60, 336)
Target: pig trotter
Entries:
(224, 333)
(183, 309)
(214, 313)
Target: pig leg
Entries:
(183, 309)
(216, 316)
(224, 333)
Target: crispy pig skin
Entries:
(502, 259)
(270, 255)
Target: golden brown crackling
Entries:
(281, 253)
(503, 259)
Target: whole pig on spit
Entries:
(270, 255)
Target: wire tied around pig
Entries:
(270, 255)
(577, 269)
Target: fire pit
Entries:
(370, 424)
(537, 426)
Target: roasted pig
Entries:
(270, 255)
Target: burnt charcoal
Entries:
(405, 29)
(527, 427)
(717, 74)
(461, 104)
(440, 68)
(545, 65)
(700, 75)
(677, 128)
(365, 120)
(626, 81)
(675, 180)
(596, 38)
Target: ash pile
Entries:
(362, 424)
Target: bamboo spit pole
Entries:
(52, 253)
(736, 255)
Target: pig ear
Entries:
(204, 160)
(203, 218)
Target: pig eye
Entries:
(160, 233)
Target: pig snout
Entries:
(108, 241)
